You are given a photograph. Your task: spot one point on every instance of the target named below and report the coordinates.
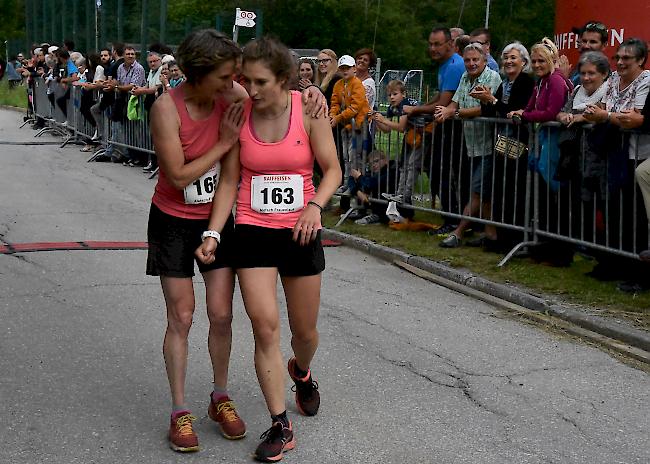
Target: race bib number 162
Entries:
(277, 193)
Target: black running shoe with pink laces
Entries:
(275, 441)
(306, 388)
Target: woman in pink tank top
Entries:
(277, 229)
(192, 128)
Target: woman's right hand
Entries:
(205, 252)
(231, 123)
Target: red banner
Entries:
(624, 19)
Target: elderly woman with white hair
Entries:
(509, 175)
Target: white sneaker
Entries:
(393, 214)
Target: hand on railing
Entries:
(569, 119)
(629, 119)
(443, 113)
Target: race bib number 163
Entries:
(277, 193)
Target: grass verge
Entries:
(569, 285)
(16, 96)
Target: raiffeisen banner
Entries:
(624, 19)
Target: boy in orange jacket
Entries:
(349, 102)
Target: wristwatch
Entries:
(457, 114)
(211, 233)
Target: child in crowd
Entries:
(414, 130)
(349, 103)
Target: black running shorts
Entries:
(173, 240)
(265, 247)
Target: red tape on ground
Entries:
(11, 248)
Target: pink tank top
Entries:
(272, 172)
(197, 137)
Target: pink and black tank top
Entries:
(276, 178)
(197, 137)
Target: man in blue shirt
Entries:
(483, 37)
(69, 74)
(444, 147)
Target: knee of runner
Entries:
(220, 322)
(266, 334)
(306, 337)
(180, 320)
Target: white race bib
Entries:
(277, 193)
(202, 189)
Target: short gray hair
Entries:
(154, 54)
(476, 47)
(596, 58)
(522, 51)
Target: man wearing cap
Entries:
(593, 38)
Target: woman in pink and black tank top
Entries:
(193, 127)
(277, 229)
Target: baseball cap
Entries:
(52, 49)
(346, 60)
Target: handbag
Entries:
(510, 147)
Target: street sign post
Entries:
(242, 19)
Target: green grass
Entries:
(569, 285)
(12, 97)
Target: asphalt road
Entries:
(409, 372)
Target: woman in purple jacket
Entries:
(548, 98)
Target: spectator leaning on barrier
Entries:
(478, 138)
(348, 104)
(447, 138)
(70, 75)
(546, 102)
(627, 91)
(412, 143)
(509, 175)
(482, 36)
(593, 37)
(97, 84)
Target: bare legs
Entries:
(258, 286)
(179, 298)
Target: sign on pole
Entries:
(242, 19)
(245, 18)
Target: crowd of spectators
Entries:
(475, 168)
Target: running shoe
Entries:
(306, 388)
(181, 435)
(275, 441)
(224, 413)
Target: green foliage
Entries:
(12, 25)
(16, 96)
(397, 29)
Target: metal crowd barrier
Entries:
(527, 193)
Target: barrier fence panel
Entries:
(592, 199)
